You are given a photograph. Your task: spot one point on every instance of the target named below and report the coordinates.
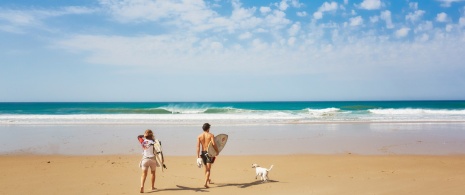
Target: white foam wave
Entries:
(142, 118)
(412, 111)
(326, 112)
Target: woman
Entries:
(148, 159)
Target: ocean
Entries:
(230, 112)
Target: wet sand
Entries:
(179, 140)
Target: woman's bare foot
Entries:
(210, 181)
(141, 189)
(154, 188)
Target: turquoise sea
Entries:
(297, 111)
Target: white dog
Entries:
(262, 172)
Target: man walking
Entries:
(202, 141)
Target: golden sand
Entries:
(292, 174)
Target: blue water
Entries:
(239, 111)
(59, 108)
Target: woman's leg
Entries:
(153, 179)
(142, 180)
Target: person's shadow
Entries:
(239, 185)
(246, 185)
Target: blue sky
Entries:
(194, 50)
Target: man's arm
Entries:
(198, 147)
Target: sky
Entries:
(231, 50)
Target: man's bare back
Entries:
(205, 138)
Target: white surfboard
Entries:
(158, 153)
(220, 141)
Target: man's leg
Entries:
(207, 174)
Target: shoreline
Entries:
(229, 122)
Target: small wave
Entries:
(322, 111)
(206, 110)
(412, 111)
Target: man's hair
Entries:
(206, 127)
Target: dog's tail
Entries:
(270, 168)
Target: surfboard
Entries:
(158, 153)
(220, 141)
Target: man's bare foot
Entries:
(154, 188)
(141, 189)
(206, 186)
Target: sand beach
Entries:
(292, 174)
(329, 158)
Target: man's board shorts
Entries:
(207, 159)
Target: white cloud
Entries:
(194, 12)
(277, 19)
(265, 10)
(346, 2)
(374, 19)
(462, 21)
(317, 15)
(413, 5)
(386, 16)
(19, 18)
(356, 21)
(441, 17)
(291, 41)
(370, 4)
(403, 32)
(16, 20)
(422, 38)
(302, 14)
(424, 27)
(447, 3)
(246, 35)
(296, 3)
(353, 12)
(294, 30)
(449, 28)
(415, 16)
(325, 7)
(283, 5)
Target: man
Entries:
(203, 140)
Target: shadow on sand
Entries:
(220, 185)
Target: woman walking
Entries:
(148, 159)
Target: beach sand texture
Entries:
(292, 174)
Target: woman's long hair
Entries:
(149, 135)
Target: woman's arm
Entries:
(140, 138)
